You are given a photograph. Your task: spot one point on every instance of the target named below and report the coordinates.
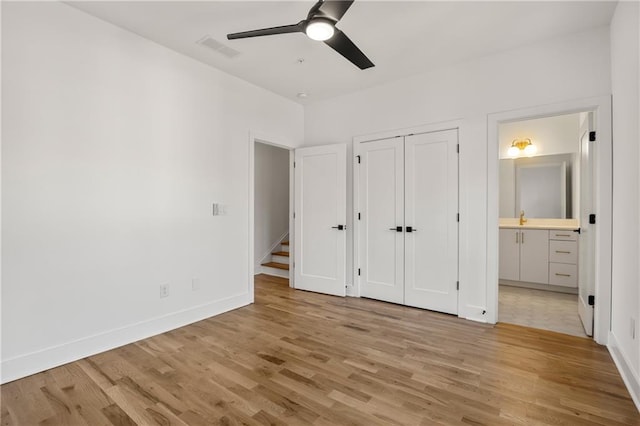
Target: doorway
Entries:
(272, 184)
(568, 254)
(543, 186)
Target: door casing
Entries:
(603, 186)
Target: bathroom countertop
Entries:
(534, 223)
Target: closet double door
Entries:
(408, 220)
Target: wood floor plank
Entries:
(301, 358)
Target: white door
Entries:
(509, 260)
(320, 219)
(586, 264)
(431, 223)
(381, 224)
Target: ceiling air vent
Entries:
(216, 46)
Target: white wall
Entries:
(625, 76)
(557, 70)
(550, 135)
(113, 150)
(271, 198)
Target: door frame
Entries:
(601, 106)
(268, 140)
(354, 290)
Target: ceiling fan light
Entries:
(319, 29)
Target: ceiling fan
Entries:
(320, 25)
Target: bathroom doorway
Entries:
(545, 250)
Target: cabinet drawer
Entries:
(563, 251)
(563, 274)
(563, 235)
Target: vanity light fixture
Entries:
(521, 147)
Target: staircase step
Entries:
(285, 243)
(281, 253)
(277, 265)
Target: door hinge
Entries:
(457, 217)
(294, 164)
(358, 271)
(592, 300)
(294, 215)
(458, 148)
(592, 136)
(358, 157)
(457, 285)
(359, 216)
(592, 219)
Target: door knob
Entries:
(340, 227)
(397, 229)
(410, 229)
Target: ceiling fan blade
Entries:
(285, 29)
(344, 46)
(335, 9)
(314, 9)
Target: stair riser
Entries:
(284, 248)
(279, 259)
(275, 272)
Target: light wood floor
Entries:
(547, 310)
(302, 358)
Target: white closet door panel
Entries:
(431, 206)
(320, 205)
(381, 204)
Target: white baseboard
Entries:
(274, 272)
(475, 313)
(628, 373)
(35, 362)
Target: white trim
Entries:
(354, 290)
(292, 224)
(54, 356)
(423, 128)
(628, 373)
(602, 106)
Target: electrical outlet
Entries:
(164, 290)
(632, 327)
(195, 284)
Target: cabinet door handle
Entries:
(563, 235)
(563, 275)
(522, 238)
(563, 251)
(397, 229)
(517, 238)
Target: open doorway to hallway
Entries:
(272, 188)
(545, 244)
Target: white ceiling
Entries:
(401, 38)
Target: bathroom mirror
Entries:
(544, 186)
